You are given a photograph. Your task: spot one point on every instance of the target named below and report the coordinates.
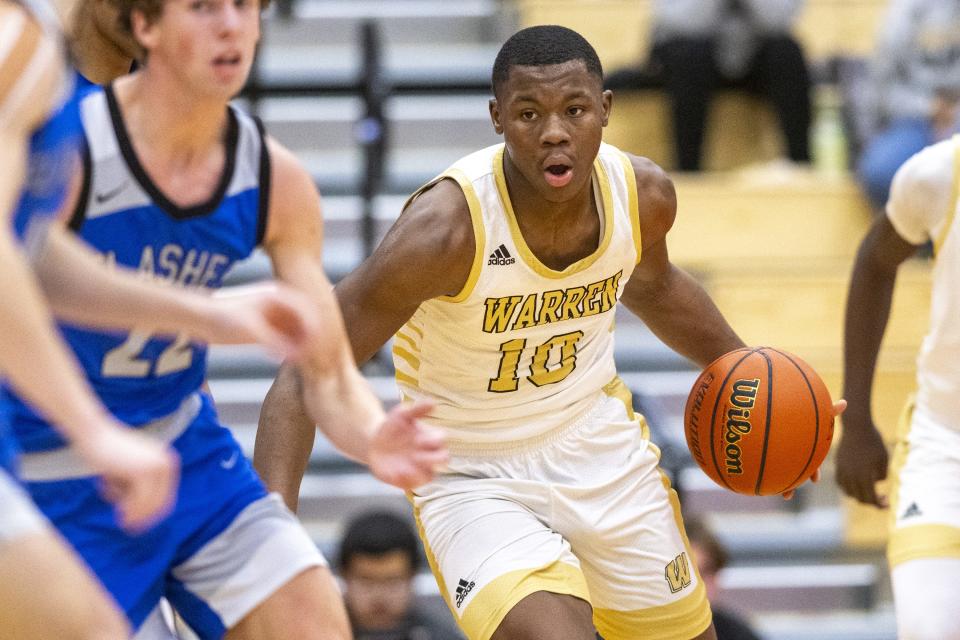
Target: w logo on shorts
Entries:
(677, 573)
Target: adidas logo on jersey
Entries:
(463, 589)
(501, 257)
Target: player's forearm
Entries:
(285, 437)
(867, 313)
(81, 290)
(35, 359)
(346, 411)
(680, 313)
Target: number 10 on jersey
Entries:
(541, 373)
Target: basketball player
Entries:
(499, 281)
(924, 492)
(44, 591)
(180, 185)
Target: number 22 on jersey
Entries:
(126, 361)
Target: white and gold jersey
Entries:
(522, 349)
(923, 206)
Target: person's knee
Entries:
(282, 616)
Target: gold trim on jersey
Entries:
(411, 359)
(634, 199)
(495, 600)
(479, 235)
(479, 232)
(680, 620)
(618, 389)
(915, 541)
(431, 558)
(900, 451)
(528, 256)
(954, 195)
(415, 328)
(923, 541)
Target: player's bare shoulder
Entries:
(31, 69)
(435, 232)
(657, 199)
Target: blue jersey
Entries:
(131, 222)
(52, 155)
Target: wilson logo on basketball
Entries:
(742, 397)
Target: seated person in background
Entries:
(916, 73)
(697, 44)
(710, 557)
(379, 558)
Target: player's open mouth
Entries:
(558, 175)
(227, 61)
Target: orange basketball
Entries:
(759, 421)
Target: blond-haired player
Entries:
(44, 591)
(180, 185)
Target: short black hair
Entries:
(541, 46)
(377, 533)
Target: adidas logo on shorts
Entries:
(501, 257)
(912, 511)
(464, 588)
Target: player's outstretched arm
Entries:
(81, 290)
(861, 454)
(666, 298)
(334, 396)
(33, 357)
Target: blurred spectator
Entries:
(916, 71)
(699, 44)
(379, 559)
(710, 557)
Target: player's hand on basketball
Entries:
(862, 460)
(270, 314)
(139, 475)
(838, 408)
(404, 451)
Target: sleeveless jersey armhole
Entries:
(479, 235)
(634, 203)
(264, 187)
(954, 195)
(79, 215)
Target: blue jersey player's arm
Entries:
(326, 388)
(33, 357)
(82, 291)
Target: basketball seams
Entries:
(816, 415)
(716, 405)
(746, 469)
(766, 425)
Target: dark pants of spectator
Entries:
(777, 71)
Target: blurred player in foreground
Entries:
(924, 493)
(499, 281)
(44, 591)
(179, 185)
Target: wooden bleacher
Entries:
(741, 129)
(775, 254)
